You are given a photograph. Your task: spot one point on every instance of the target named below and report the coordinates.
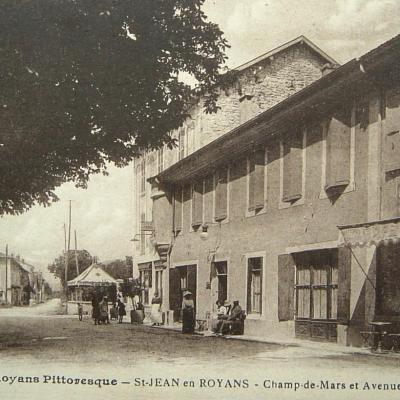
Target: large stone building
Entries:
(285, 200)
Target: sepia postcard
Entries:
(199, 199)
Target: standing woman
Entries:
(155, 315)
(188, 313)
(121, 311)
(95, 309)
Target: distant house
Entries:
(20, 283)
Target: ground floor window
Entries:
(254, 285)
(221, 273)
(316, 285)
(159, 283)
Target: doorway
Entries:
(181, 279)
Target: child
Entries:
(80, 311)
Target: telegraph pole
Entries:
(76, 255)
(6, 273)
(67, 251)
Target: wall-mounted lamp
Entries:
(204, 232)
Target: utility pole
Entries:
(6, 273)
(76, 255)
(67, 251)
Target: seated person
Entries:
(222, 314)
(235, 321)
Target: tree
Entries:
(118, 269)
(58, 266)
(85, 83)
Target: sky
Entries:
(103, 214)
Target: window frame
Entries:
(178, 231)
(216, 218)
(160, 159)
(325, 125)
(256, 211)
(142, 188)
(301, 200)
(250, 313)
(312, 287)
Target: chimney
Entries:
(328, 68)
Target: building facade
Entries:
(257, 86)
(19, 282)
(294, 212)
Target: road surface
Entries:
(152, 363)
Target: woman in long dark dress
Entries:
(188, 313)
(121, 311)
(95, 309)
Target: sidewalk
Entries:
(290, 342)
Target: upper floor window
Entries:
(338, 136)
(392, 130)
(208, 199)
(292, 161)
(178, 209)
(182, 143)
(338, 150)
(256, 181)
(197, 203)
(160, 159)
(143, 175)
(221, 194)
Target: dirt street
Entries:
(145, 360)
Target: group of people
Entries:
(100, 310)
(230, 318)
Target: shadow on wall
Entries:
(364, 310)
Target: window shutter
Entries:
(208, 199)
(286, 272)
(392, 131)
(338, 150)
(249, 280)
(292, 168)
(344, 282)
(178, 209)
(251, 183)
(259, 161)
(197, 199)
(221, 195)
(186, 205)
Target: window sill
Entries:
(221, 221)
(254, 213)
(283, 204)
(351, 187)
(292, 199)
(254, 316)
